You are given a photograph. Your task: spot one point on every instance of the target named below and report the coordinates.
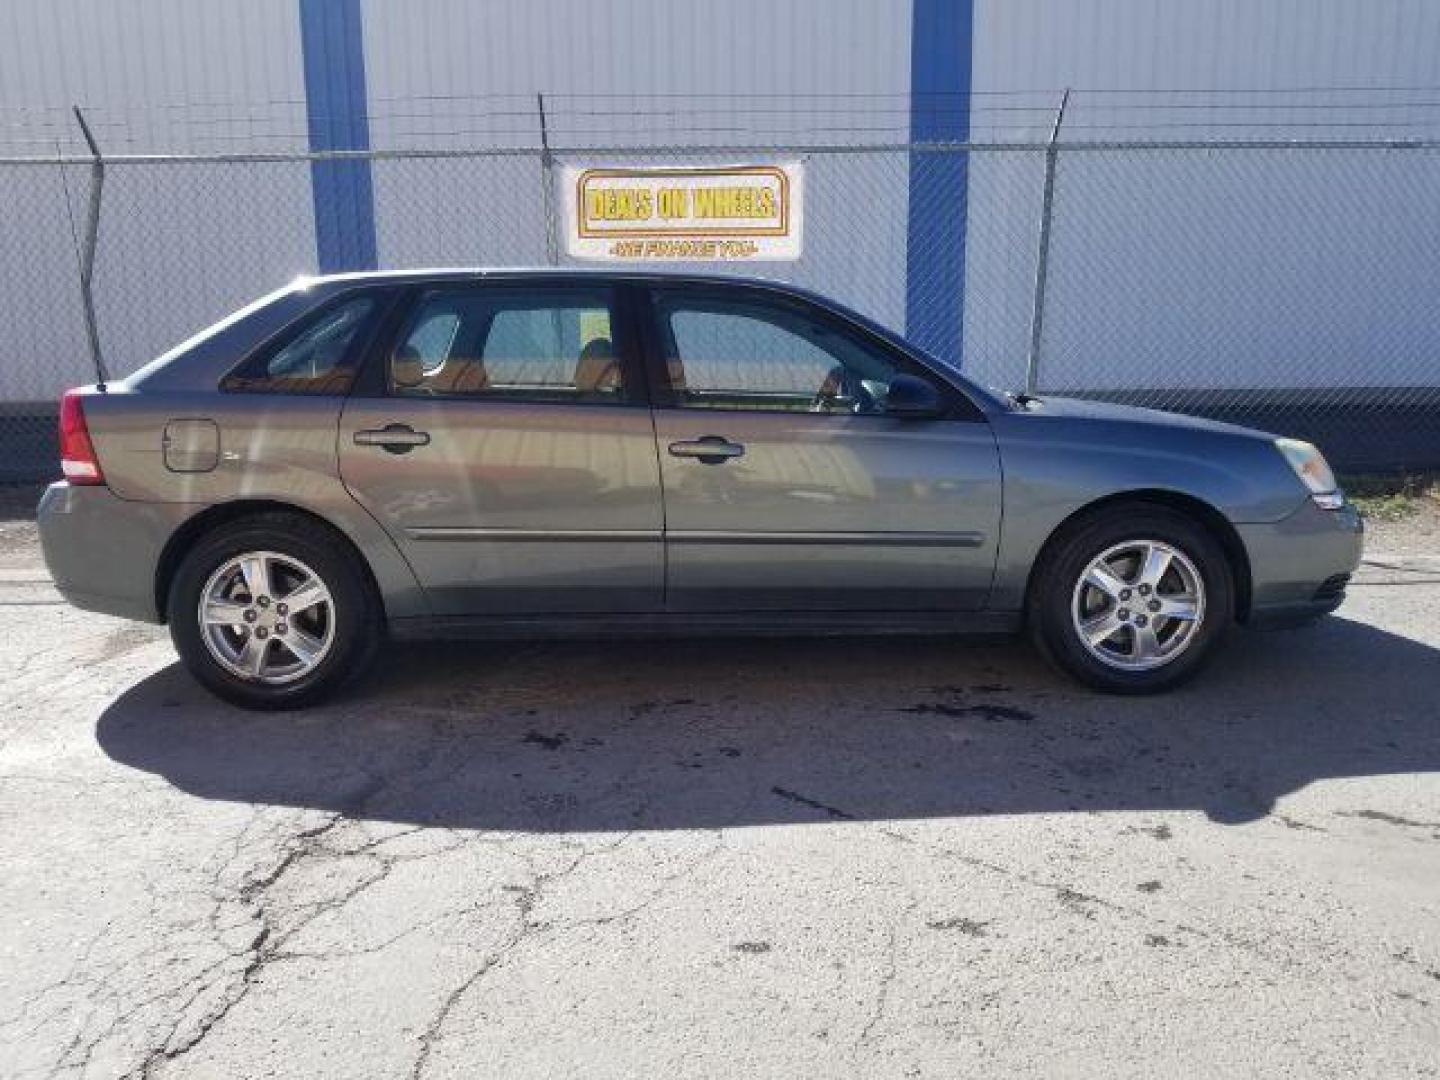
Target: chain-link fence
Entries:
(1286, 285)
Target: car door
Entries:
(788, 486)
(507, 448)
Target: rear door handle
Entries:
(708, 449)
(396, 438)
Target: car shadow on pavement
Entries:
(694, 735)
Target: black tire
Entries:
(355, 609)
(1053, 594)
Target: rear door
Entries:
(504, 441)
(788, 487)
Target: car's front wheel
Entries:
(270, 612)
(1133, 600)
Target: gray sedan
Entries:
(538, 453)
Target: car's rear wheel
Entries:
(270, 612)
(1132, 600)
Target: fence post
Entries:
(87, 253)
(1042, 255)
(547, 178)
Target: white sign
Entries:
(724, 213)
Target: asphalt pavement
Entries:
(896, 858)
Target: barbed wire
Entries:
(1078, 94)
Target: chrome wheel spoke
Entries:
(1101, 577)
(306, 596)
(256, 571)
(1101, 627)
(1156, 564)
(252, 657)
(1144, 644)
(220, 612)
(304, 647)
(1178, 607)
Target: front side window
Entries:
(767, 355)
(509, 344)
(317, 358)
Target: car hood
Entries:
(1084, 409)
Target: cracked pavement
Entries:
(701, 859)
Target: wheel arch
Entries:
(1198, 510)
(227, 513)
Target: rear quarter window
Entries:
(318, 355)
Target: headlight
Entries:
(1314, 472)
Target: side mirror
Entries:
(913, 398)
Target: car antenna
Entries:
(85, 260)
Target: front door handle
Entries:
(708, 449)
(396, 438)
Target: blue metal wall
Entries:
(940, 42)
(337, 118)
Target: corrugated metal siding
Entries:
(1212, 269)
(184, 75)
(205, 75)
(638, 72)
(627, 71)
(180, 246)
(460, 47)
(1204, 44)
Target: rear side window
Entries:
(318, 357)
(552, 344)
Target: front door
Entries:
(509, 452)
(788, 487)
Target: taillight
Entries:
(77, 452)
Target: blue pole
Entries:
(332, 42)
(940, 50)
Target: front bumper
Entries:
(103, 551)
(1299, 565)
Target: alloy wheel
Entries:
(267, 617)
(1139, 605)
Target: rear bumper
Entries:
(103, 551)
(1299, 566)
